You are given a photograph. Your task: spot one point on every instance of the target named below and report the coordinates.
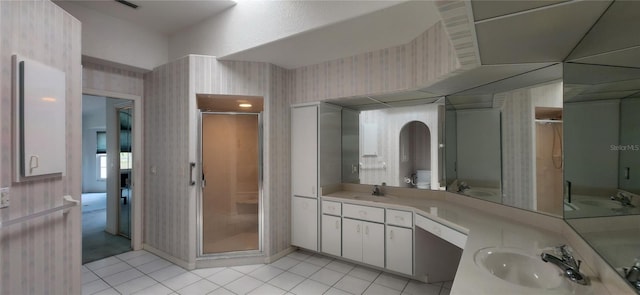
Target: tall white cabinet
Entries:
(315, 135)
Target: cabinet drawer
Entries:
(332, 208)
(363, 212)
(450, 235)
(399, 218)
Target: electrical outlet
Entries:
(4, 197)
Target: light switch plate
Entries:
(4, 197)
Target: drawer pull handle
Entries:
(337, 224)
(391, 235)
(400, 218)
(366, 230)
(363, 213)
(358, 228)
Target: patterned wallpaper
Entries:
(110, 78)
(277, 180)
(41, 256)
(517, 148)
(423, 61)
(167, 197)
(458, 21)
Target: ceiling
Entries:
(163, 16)
(392, 26)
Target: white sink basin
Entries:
(606, 203)
(478, 193)
(517, 267)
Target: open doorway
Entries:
(107, 157)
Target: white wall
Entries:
(252, 23)
(116, 40)
(92, 122)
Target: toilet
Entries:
(423, 179)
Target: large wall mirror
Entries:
(503, 141)
(602, 136)
(602, 158)
(393, 139)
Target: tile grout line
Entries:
(200, 278)
(365, 290)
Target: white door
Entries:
(400, 249)
(304, 223)
(373, 244)
(352, 239)
(331, 235)
(304, 151)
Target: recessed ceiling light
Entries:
(245, 105)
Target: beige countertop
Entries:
(486, 225)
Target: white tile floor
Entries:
(300, 273)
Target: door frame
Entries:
(248, 253)
(137, 179)
(118, 108)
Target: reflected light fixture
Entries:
(245, 105)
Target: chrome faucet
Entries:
(463, 186)
(568, 264)
(377, 190)
(633, 274)
(624, 200)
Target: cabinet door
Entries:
(304, 223)
(400, 249)
(331, 235)
(373, 243)
(352, 239)
(304, 151)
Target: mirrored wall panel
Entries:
(602, 155)
(398, 146)
(503, 141)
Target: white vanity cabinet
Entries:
(363, 234)
(399, 241)
(315, 139)
(304, 177)
(399, 249)
(304, 222)
(331, 228)
(304, 151)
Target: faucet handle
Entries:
(566, 251)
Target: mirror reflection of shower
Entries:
(548, 134)
(415, 150)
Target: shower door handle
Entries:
(191, 167)
(204, 181)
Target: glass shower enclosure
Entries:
(231, 186)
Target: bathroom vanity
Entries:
(435, 236)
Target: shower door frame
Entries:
(200, 183)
